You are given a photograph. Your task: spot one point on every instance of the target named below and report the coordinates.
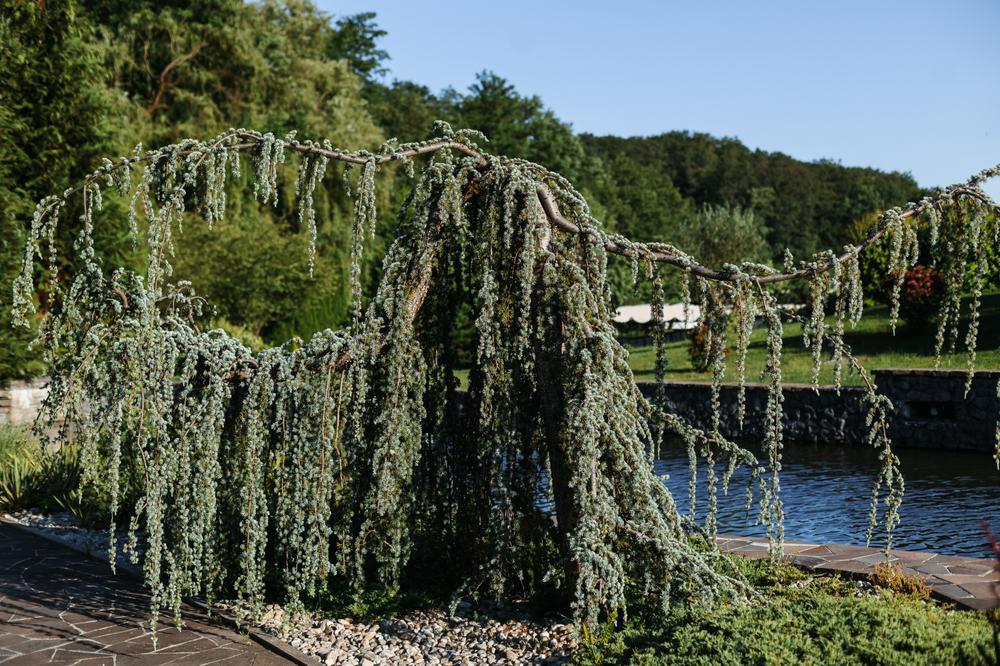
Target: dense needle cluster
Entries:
(344, 459)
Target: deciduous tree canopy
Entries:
(83, 79)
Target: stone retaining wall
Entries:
(810, 416)
(932, 410)
(20, 401)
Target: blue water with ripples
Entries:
(826, 491)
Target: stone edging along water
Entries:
(932, 409)
(968, 582)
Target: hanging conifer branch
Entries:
(341, 459)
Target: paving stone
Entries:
(932, 581)
(966, 580)
(57, 606)
(843, 552)
(846, 566)
(807, 561)
(932, 569)
(818, 550)
(970, 582)
(751, 553)
(974, 603)
(967, 570)
(874, 558)
(982, 590)
(911, 558)
(955, 592)
(950, 560)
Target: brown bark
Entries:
(548, 361)
(165, 80)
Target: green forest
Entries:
(86, 80)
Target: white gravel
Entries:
(490, 634)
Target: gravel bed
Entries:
(65, 528)
(487, 633)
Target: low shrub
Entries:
(702, 348)
(20, 456)
(253, 341)
(798, 619)
(50, 481)
(920, 296)
(891, 577)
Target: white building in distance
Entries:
(673, 315)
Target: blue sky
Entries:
(911, 86)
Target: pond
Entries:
(826, 492)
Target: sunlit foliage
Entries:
(342, 458)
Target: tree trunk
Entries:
(548, 361)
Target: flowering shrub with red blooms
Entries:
(921, 293)
(699, 352)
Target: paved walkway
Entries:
(60, 607)
(968, 581)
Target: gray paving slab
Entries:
(969, 582)
(60, 607)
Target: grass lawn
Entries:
(872, 342)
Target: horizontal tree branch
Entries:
(556, 219)
(550, 205)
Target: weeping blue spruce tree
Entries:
(343, 459)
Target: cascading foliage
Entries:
(344, 459)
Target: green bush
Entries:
(921, 294)
(253, 341)
(50, 481)
(19, 464)
(702, 348)
(800, 619)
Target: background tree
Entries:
(91, 78)
(805, 206)
(355, 39)
(58, 115)
(722, 234)
(202, 67)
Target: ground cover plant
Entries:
(800, 618)
(344, 459)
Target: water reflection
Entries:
(826, 491)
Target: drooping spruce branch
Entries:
(889, 222)
(343, 459)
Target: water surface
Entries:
(826, 491)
